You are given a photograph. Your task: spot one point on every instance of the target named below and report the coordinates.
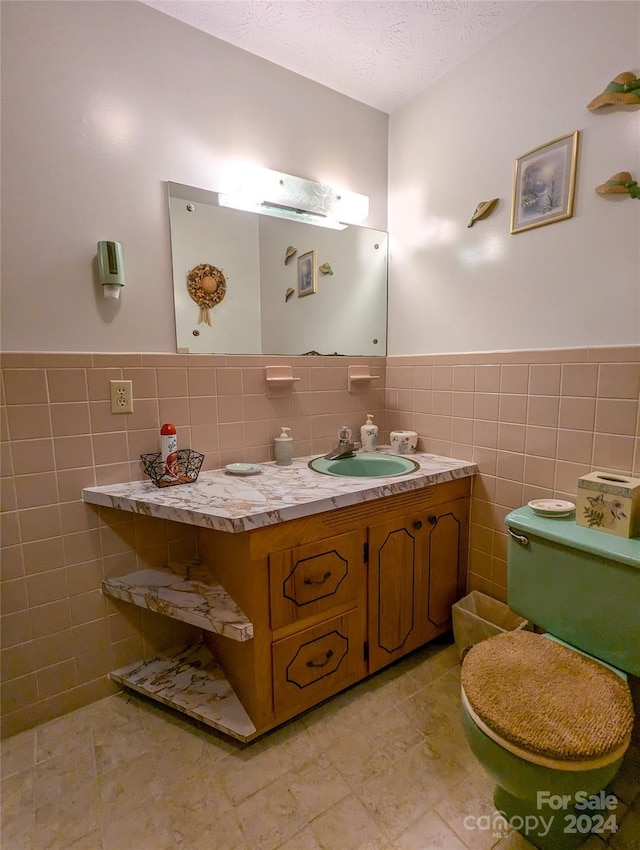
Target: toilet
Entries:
(549, 713)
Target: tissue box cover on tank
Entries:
(609, 502)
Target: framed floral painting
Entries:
(544, 183)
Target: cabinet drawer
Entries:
(313, 664)
(316, 577)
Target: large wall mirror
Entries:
(235, 294)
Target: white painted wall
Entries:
(572, 283)
(105, 101)
(102, 103)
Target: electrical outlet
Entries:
(121, 396)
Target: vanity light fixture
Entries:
(285, 196)
(278, 211)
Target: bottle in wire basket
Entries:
(169, 449)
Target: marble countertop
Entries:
(235, 504)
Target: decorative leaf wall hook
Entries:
(620, 184)
(483, 209)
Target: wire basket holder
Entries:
(189, 465)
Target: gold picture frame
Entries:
(544, 183)
(307, 274)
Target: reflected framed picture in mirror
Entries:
(306, 274)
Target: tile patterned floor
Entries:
(384, 766)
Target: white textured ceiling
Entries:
(380, 53)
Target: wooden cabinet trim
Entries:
(286, 535)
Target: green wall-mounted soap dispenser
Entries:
(110, 268)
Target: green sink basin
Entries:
(365, 465)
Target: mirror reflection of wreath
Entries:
(207, 286)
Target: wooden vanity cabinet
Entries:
(336, 596)
(293, 613)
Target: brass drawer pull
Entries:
(322, 580)
(329, 655)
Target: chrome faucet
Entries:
(345, 447)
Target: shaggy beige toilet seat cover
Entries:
(547, 699)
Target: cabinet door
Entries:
(447, 541)
(397, 565)
(417, 570)
(315, 578)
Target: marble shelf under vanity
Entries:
(190, 681)
(224, 502)
(183, 593)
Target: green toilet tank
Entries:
(579, 584)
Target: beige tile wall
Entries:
(534, 422)
(59, 636)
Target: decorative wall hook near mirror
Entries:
(258, 255)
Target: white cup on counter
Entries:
(404, 442)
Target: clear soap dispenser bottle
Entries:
(284, 448)
(369, 435)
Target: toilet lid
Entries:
(546, 699)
